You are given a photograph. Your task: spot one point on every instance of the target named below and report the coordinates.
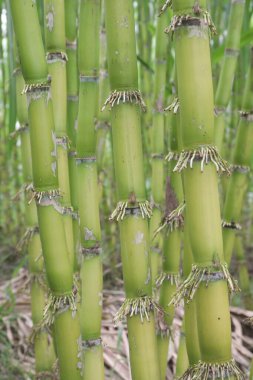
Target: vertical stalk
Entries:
(88, 200)
(226, 78)
(241, 166)
(61, 307)
(54, 17)
(199, 161)
(132, 209)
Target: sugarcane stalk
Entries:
(157, 145)
(54, 21)
(132, 209)
(199, 162)
(43, 345)
(71, 18)
(228, 68)
(88, 201)
(61, 304)
(241, 166)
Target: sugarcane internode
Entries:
(172, 278)
(125, 96)
(128, 207)
(141, 306)
(198, 17)
(173, 107)
(205, 154)
(24, 241)
(231, 225)
(208, 273)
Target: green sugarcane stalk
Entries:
(244, 278)
(61, 307)
(132, 209)
(182, 355)
(157, 144)
(226, 78)
(43, 346)
(172, 223)
(88, 200)
(71, 17)
(241, 166)
(54, 21)
(200, 161)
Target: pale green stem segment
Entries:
(228, 68)
(209, 277)
(132, 209)
(54, 20)
(88, 197)
(243, 272)
(43, 346)
(182, 355)
(71, 18)
(157, 143)
(59, 271)
(241, 166)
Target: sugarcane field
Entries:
(126, 190)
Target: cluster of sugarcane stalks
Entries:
(105, 165)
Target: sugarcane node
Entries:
(205, 370)
(40, 279)
(57, 304)
(56, 56)
(231, 225)
(72, 153)
(157, 156)
(219, 110)
(17, 71)
(205, 154)
(141, 306)
(246, 115)
(102, 125)
(73, 98)
(90, 343)
(173, 107)
(71, 45)
(40, 87)
(37, 330)
(216, 271)
(92, 251)
(162, 328)
(248, 321)
(202, 18)
(125, 96)
(125, 208)
(172, 278)
(229, 52)
(46, 375)
(167, 5)
(25, 188)
(84, 160)
(172, 220)
(21, 129)
(63, 141)
(25, 239)
(45, 197)
(240, 169)
(89, 78)
(172, 156)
